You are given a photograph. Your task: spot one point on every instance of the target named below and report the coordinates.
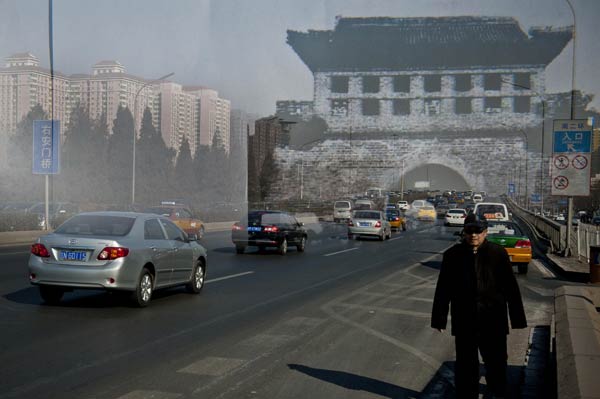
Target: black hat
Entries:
(473, 220)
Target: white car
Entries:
(455, 217)
(403, 205)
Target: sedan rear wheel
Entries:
(522, 268)
(382, 236)
(240, 249)
(143, 290)
(283, 247)
(51, 295)
(197, 282)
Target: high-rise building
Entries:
(24, 84)
(196, 113)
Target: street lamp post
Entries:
(543, 133)
(135, 133)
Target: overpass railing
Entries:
(553, 231)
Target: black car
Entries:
(269, 229)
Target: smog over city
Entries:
(280, 184)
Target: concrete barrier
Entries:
(577, 341)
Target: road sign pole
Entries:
(47, 198)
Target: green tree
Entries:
(119, 156)
(268, 176)
(185, 180)
(154, 162)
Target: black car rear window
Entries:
(97, 225)
(366, 215)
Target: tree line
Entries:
(96, 165)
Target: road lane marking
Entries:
(143, 394)
(396, 238)
(213, 366)
(214, 280)
(14, 253)
(339, 252)
(384, 310)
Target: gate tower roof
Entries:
(387, 43)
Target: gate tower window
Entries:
(370, 107)
(339, 107)
(462, 82)
(370, 84)
(402, 84)
(463, 106)
(339, 84)
(522, 105)
(492, 81)
(401, 107)
(493, 104)
(522, 81)
(433, 83)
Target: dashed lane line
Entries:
(339, 252)
(214, 280)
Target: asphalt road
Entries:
(345, 319)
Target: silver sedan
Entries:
(121, 251)
(369, 223)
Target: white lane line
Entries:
(14, 253)
(395, 238)
(213, 366)
(143, 394)
(339, 252)
(227, 277)
(543, 269)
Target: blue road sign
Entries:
(536, 198)
(511, 188)
(572, 136)
(46, 141)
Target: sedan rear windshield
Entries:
(460, 211)
(366, 215)
(342, 205)
(97, 225)
(504, 229)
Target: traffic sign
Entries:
(511, 188)
(46, 141)
(572, 136)
(571, 158)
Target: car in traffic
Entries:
(362, 204)
(455, 217)
(512, 238)
(57, 211)
(492, 210)
(117, 251)
(264, 228)
(369, 223)
(342, 211)
(426, 213)
(396, 218)
(403, 205)
(441, 210)
(181, 215)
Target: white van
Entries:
(342, 210)
(477, 198)
(491, 210)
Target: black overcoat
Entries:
(478, 288)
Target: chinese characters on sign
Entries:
(571, 157)
(46, 147)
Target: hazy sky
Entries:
(238, 47)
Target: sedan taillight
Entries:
(350, 224)
(523, 244)
(236, 227)
(112, 253)
(271, 229)
(378, 224)
(40, 250)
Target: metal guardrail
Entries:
(585, 236)
(555, 232)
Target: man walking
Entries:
(477, 282)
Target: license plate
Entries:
(73, 256)
(253, 228)
(364, 224)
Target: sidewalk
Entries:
(569, 264)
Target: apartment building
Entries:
(197, 113)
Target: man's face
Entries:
(474, 236)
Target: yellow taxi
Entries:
(396, 218)
(181, 215)
(427, 212)
(514, 241)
